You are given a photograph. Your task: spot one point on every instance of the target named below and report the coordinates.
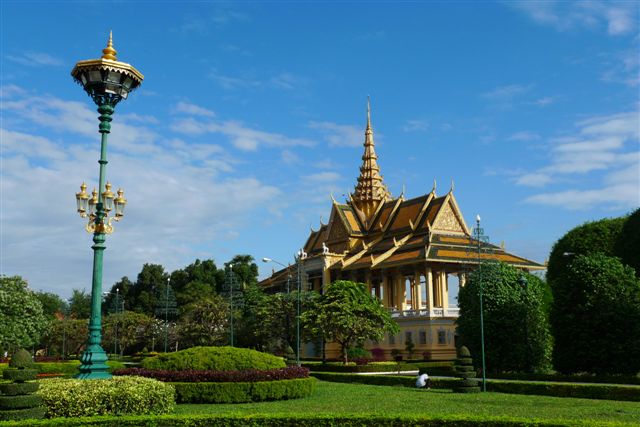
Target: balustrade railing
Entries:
(434, 312)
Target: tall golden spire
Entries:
(369, 191)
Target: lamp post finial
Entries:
(109, 52)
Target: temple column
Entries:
(367, 279)
(445, 289)
(400, 295)
(429, 284)
(417, 302)
(326, 279)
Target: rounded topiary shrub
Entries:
(114, 396)
(21, 359)
(214, 359)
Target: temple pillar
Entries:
(400, 294)
(367, 279)
(429, 284)
(417, 301)
(326, 279)
(445, 289)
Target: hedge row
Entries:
(250, 375)
(586, 391)
(214, 359)
(217, 420)
(608, 379)
(242, 392)
(68, 368)
(432, 368)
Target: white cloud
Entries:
(187, 108)
(234, 82)
(617, 17)
(415, 125)
(241, 136)
(175, 189)
(35, 59)
(287, 81)
(608, 144)
(319, 177)
(508, 92)
(340, 135)
(545, 100)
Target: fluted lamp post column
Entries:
(107, 81)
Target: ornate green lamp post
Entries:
(107, 81)
(480, 237)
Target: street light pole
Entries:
(479, 238)
(107, 81)
(522, 281)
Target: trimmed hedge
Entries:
(585, 391)
(432, 368)
(241, 392)
(20, 402)
(118, 395)
(217, 420)
(67, 368)
(608, 379)
(19, 375)
(12, 389)
(214, 359)
(22, 414)
(251, 375)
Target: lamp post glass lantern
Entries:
(107, 81)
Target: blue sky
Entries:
(252, 114)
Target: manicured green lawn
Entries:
(337, 398)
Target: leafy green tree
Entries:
(277, 314)
(52, 304)
(65, 336)
(80, 304)
(348, 314)
(627, 247)
(132, 331)
(205, 322)
(195, 281)
(516, 326)
(590, 238)
(245, 270)
(142, 297)
(22, 321)
(120, 290)
(252, 331)
(595, 317)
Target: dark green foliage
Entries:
(205, 322)
(19, 401)
(214, 359)
(196, 281)
(19, 375)
(243, 392)
(431, 368)
(516, 327)
(596, 317)
(12, 389)
(22, 321)
(609, 379)
(348, 314)
(590, 238)
(464, 371)
(151, 281)
(627, 247)
(286, 420)
(21, 359)
(52, 304)
(80, 304)
(388, 380)
(23, 414)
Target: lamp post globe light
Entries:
(107, 81)
(480, 237)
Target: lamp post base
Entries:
(94, 364)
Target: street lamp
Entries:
(265, 260)
(118, 307)
(524, 287)
(107, 81)
(299, 257)
(480, 237)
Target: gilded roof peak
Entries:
(369, 190)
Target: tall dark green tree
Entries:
(120, 290)
(141, 297)
(590, 238)
(80, 304)
(627, 248)
(205, 322)
(516, 326)
(349, 315)
(595, 317)
(197, 280)
(52, 304)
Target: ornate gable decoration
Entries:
(447, 220)
(337, 230)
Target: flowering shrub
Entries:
(377, 353)
(115, 396)
(192, 376)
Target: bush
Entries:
(250, 375)
(377, 353)
(629, 241)
(358, 353)
(388, 380)
(286, 420)
(115, 396)
(21, 359)
(214, 359)
(67, 368)
(431, 368)
(241, 392)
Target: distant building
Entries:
(406, 251)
